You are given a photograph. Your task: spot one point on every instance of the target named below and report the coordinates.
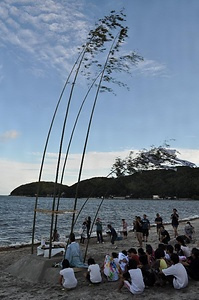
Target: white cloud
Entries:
(47, 30)
(9, 135)
(152, 68)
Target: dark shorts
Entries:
(125, 233)
(175, 225)
(145, 232)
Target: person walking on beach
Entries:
(175, 221)
(158, 222)
(124, 228)
(98, 224)
(145, 228)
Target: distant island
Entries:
(183, 182)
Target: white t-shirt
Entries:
(137, 283)
(95, 274)
(186, 250)
(180, 275)
(69, 280)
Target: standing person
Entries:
(98, 224)
(113, 234)
(67, 276)
(83, 232)
(175, 221)
(145, 228)
(88, 225)
(124, 228)
(138, 229)
(158, 222)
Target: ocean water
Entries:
(16, 215)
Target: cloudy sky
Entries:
(39, 43)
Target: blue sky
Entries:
(38, 45)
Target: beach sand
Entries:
(23, 287)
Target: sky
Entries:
(39, 43)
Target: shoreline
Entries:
(17, 246)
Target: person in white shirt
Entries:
(67, 276)
(133, 279)
(178, 273)
(93, 273)
(186, 250)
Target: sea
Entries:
(16, 215)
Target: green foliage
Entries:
(156, 158)
(46, 189)
(182, 183)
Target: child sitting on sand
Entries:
(67, 276)
(132, 279)
(93, 273)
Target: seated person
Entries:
(192, 265)
(123, 260)
(149, 276)
(186, 250)
(150, 254)
(169, 251)
(55, 236)
(180, 253)
(189, 231)
(93, 273)
(73, 253)
(164, 235)
(132, 279)
(177, 273)
(132, 254)
(67, 276)
(112, 267)
(160, 262)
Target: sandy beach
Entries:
(21, 287)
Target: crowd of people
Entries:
(170, 263)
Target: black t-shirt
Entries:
(174, 219)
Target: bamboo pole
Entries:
(92, 229)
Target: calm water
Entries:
(16, 215)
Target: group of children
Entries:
(137, 269)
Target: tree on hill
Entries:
(156, 158)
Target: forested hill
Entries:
(182, 183)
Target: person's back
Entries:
(136, 284)
(67, 276)
(178, 271)
(94, 272)
(73, 254)
(111, 268)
